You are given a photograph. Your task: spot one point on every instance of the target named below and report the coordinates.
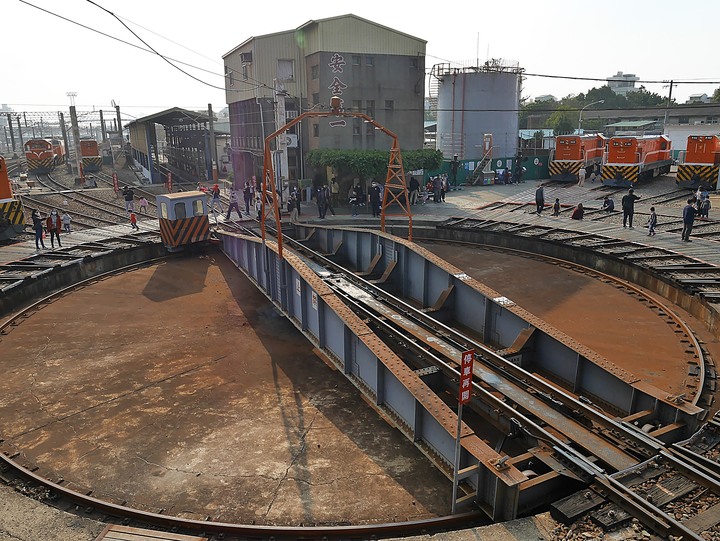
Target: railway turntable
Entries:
(184, 405)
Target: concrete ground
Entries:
(178, 387)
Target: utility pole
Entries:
(667, 108)
(22, 143)
(12, 133)
(119, 122)
(281, 141)
(65, 139)
(102, 127)
(76, 138)
(213, 147)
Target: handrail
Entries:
(484, 162)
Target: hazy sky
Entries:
(46, 56)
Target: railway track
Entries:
(43, 263)
(597, 448)
(691, 275)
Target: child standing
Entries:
(556, 207)
(66, 221)
(652, 222)
(133, 220)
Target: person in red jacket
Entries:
(53, 226)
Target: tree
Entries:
(716, 95)
(563, 121)
(541, 109)
(367, 164)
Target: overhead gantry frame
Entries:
(395, 192)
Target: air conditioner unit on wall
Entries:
(246, 58)
(291, 140)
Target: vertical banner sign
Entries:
(115, 182)
(466, 375)
(466, 370)
(169, 182)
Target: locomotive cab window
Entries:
(198, 207)
(628, 143)
(163, 210)
(180, 211)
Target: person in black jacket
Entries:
(414, 190)
(375, 199)
(628, 207)
(38, 227)
(608, 204)
(689, 213)
(539, 199)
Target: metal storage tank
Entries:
(474, 101)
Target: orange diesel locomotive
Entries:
(12, 216)
(42, 155)
(633, 158)
(573, 152)
(91, 158)
(701, 165)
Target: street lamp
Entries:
(581, 112)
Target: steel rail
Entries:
(649, 447)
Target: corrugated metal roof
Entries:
(631, 124)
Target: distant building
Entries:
(698, 98)
(623, 83)
(273, 78)
(545, 97)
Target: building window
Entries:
(355, 60)
(229, 75)
(369, 129)
(414, 62)
(316, 130)
(357, 106)
(389, 104)
(370, 61)
(684, 120)
(245, 72)
(285, 70)
(316, 98)
(357, 126)
(315, 71)
(370, 108)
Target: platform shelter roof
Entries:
(176, 116)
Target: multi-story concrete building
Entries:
(273, 78)
(623, 83)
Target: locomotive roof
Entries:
(182, 195)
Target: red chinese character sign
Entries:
(466, 370)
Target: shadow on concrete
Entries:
(161, 287)
(318, 388)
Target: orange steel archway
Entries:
(395, 192)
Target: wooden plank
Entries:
(116, 532)
(705, 520)
(665, 491)
(570, 508)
